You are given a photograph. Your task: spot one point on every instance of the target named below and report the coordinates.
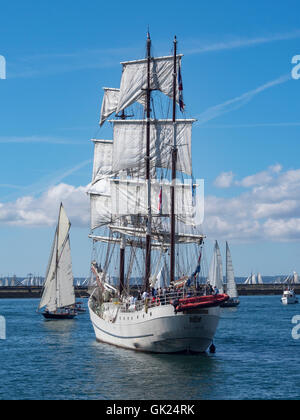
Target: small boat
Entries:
(58, 293)
(231, 288)
(79, 308)
(69, 314)
(289, 297)
(199, 302)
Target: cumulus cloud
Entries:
(224, 180)
(43, 210)
(269, 208)
(261, 178)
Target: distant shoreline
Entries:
(34, 292)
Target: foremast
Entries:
(174, 162)
(148, 174)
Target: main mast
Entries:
(148, 174)
(174, 161)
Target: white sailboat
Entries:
(251, 279)
(140, 221)
(215, 276)
(259, 279)
(231, 288)
(58, 293)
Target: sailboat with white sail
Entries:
(215, 276)
(58, 297)
(251, 279)
(231, 287)
(142, 219)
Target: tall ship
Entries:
(147, 239)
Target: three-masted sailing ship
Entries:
(58, 297)
(143, 224)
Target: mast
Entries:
(56, 259)
(148, 175)
(122, 257)
(174, 161)
(122, 265)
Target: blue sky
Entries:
(237, 82)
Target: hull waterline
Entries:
(57, 317)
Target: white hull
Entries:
(289, 301)
(289, 297)
(159, 330)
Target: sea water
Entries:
(257, 357)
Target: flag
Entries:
(194, 190)
(160, 201)
(180, 89)
(197, 271)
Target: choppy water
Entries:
(256, 358)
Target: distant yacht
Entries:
(251, 279)
(259, 279)
(215, 275)
(58, 293)
(289, 297)
(231, 288)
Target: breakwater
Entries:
(264, 289)
(34, 292)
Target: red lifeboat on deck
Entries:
(199, 302)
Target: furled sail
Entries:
(134, 79)
(59, 287)
(129, 148)
(160, 235)
(230, 281)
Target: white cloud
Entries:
(239, 101)
(224, 180)
(268, 210)
(261, 178)
(43, 211)
(243, 42)
(37, 139)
